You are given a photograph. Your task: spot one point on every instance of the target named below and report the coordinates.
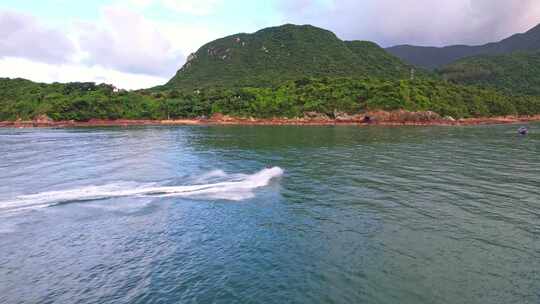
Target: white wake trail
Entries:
(240, 188)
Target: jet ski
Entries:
(523, 131)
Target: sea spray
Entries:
(236, 188)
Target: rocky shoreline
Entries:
(382, 118)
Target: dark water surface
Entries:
(188, 215)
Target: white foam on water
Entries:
(212, 175)
(237, 188)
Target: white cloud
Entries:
(194, 7)
(128, 49)
(425, 22)
(140, 3)
(44, 72)
(188, 38)
(23, 36)
(126, 41)
(122, 48)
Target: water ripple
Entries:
(360, 215)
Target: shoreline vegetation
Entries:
(293, 75)
(379, 118)
(304, 101)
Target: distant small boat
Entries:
(523, 131)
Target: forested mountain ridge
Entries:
(516, 73)
(288, 71)
(274, 55)
(26, 100)
(435, 57)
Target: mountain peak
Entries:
(533, 31)
(435, 57)
(286, 52)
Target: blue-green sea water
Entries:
(270, 215)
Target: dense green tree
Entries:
(274, 55)
(515, 73)
(26, 100)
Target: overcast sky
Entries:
(141, 43)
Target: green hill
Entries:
(274, 55)
(23, 99)
(516, 73)
(289, 71)
(376, 62)
(434, 57)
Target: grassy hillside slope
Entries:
(274, 55)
